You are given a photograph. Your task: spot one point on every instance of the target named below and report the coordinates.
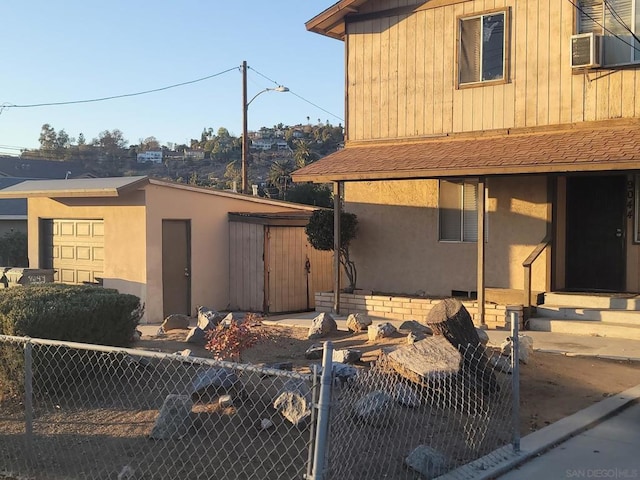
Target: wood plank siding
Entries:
(402, 71)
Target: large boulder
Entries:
(208, 319)
(321, 326)
(233, 317)
(428, 462)
(214, 378)
(374, 408)
(358, 322)
(430, 359)
(197, 336)
(347, 355)
(294, 401)
(525, 350)
(176, 321)
(173, 419)
(380, 330)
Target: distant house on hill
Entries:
(150, 156)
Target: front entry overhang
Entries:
(612, 146)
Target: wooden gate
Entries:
(273, 269)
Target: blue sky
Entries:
(77, 50)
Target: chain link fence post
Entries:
(515, 379)
(315, 395)
(28, 396)
(320, 454)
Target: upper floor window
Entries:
(618, 21)
(482, 47)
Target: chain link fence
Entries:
(75, 411)
(96, 412)
(386, 426)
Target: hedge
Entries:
(73, 313)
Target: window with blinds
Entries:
(458, 209)
(617, 21)
(482, 47)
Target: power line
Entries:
(610, 32)
(620, 20)
(113, 97)
(299, 96)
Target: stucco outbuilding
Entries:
(167, 243)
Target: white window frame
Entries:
(505, 49)
(604, 18)
(461, 183)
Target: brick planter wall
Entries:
(411, 308)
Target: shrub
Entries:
(75, 313)
(227, 341)
(319, 232)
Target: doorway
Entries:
(176, 267)
(595, 242)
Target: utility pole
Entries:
(245, 133)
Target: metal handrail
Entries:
(544, 243)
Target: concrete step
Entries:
(585, 327)
(628, 317)
(585, 300)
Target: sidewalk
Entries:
(608, 450)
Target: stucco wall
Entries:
(124, 241)
(397, 249)
(209, 241)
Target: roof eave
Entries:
(467, 172)
(326, 22)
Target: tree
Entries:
(280, 176)
(233, 174)
(318, 195)
(48, 138)
(303, 154)
(62, 140)
(319, 231)
(149, 143)
(81, 139)
(112, 143)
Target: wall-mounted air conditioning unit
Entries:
(586, 50)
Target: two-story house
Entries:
(516, 121)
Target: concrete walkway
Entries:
(611, 449)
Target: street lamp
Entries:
(245, 132)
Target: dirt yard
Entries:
(101, 422)
(552, 386)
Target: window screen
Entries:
(482, 48)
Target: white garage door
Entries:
(76, 250)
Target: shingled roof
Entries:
(598, 146)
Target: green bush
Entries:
(74, 313)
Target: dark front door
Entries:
(595, 233)
(176, 267)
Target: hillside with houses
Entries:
(213, 159)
